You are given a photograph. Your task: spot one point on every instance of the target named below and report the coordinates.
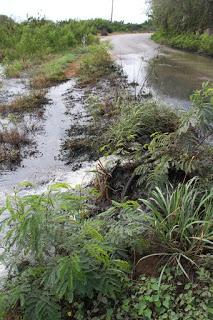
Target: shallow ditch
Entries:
(46, 165)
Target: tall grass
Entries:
(181, 225)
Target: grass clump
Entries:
(181, 225)
(26, 103)
(12, 140)
(96, 64)
(14, 69)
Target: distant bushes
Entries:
(120, 26)
(187, 41)
(37, 37)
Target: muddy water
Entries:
(47, 167)
(171, 75)
(12, 88)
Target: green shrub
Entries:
(137, 121)
(96, 64)
(55, 255)
(187, 41)
(144, 299)
(39, 37)
(181, 225)
(186, 152)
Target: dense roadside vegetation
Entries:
(186, 41)
(139, 244)
(27, 42)
(184, 27)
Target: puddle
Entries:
(172, 74)
(47, 167)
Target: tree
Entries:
(182, 15)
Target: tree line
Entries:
(181, 16)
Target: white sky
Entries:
(127, 10)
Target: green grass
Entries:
(53, 70)
(137, 121)
(14, 68)
(191, 42)
(55, 67)
(96, 64)
(181, 226)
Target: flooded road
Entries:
(169, 74)
(172, 75)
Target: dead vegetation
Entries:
(27, 103)
(40, 81)
(12, 140)
(13, 137)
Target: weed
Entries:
(184, 153)
(66, 256)
(137, 122)
(95, 64)
(26, 103)
(181, 225)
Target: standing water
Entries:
(46, 167)
(170, 75)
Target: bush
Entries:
(181, 225)
(96, 64)
(186, 152)
(39, 37)
(136, 122)
(55, 256)
(187, 41)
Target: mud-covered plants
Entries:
(181, 226)
(33, 101)
(56, 254)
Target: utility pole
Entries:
(112, 10)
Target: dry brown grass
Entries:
(13, 137)
(11, 142)
(24, 104)
(40, 81)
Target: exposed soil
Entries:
(72, 69)
(86, 134)
(149, 266)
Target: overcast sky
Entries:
(127, 10)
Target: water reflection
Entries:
(174, 75)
